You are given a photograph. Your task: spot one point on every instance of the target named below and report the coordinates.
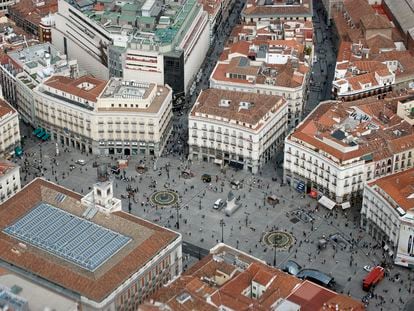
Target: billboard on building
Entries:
(405, 250)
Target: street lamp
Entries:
(247, 218)
(222, 224)
(177, 208)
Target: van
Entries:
(218, 204)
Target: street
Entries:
(324, 68)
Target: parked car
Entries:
(368, 268)
(80, 162)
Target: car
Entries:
(80, 162)
(71, 167)
(368, 268)
(206, 178)
(218, 204)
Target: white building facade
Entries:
(387, 214)
(9, 129)
(220, 135)
(9, 179)
(332, 154)
(108, 118)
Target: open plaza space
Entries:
(161, 190)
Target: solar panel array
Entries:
(65, 235)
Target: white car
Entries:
(81, 162)
(368, 268)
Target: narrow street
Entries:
(324, 68)
(178, 139)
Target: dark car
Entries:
(206, 178)
(115, 170)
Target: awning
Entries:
(300, 186)
(46, 136)
(218, 161)
(41, 133)
(36, 131)
(346, 205)
(18, 151)
(328, 203)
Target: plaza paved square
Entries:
(200, 222)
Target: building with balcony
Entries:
(238, 129)
(102, 259)
(272, 67)
(28, 15)
(229, 279)
(9, 179)
(218, 13)
(258, 10)
(21, 71)
(341, 146)
(9, 129)
(145, 42)
(358, 79)
(388, 215)
(114, 117)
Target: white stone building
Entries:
(9, 179)
(9, 129)
(387, 214)
(236, 129)
(131, 42)
(22, 70)
(112, 117)
(111, 260)
(341, 146)
(272, 68)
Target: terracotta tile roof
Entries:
(25, 9)
(6, 108)
(209, 100)
(400, 187)
(330, 116)
(263, 277)
(358, 9)
(94, 285)
(375, 21)
(6, 166)
(199, 282)
(211, 6)
(255, 9)
(312, 297)
(70, 86)
(379, 42)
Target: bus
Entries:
(373, 278)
